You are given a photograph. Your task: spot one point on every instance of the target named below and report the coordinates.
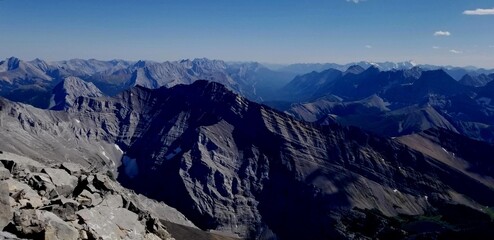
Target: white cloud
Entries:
(368, 46)
(356, 1)
(455, 51)
(435, 47)
(480, 11)
(442, 33)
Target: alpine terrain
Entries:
(202, 161)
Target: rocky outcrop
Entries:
(65, 201)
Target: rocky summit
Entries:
(229, 166)
(66, 201)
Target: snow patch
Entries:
(395, 190)
(446, 151)
(106, 156)
(118, 148)
(130, 167)
(52, 101)
(77, 121)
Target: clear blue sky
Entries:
(274, 31)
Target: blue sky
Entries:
(275, 31)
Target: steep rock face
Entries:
(65, 93)
(169, 74)
(430, 82)
(476, 81)
(372, 114)
(304, 87)
(257, 82)
(205, 147)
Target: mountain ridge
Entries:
(236, 166)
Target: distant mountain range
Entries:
(456, 72)
(393, 103)
(37, 78)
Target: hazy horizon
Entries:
(274, 32)
(266, 64)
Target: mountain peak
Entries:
(140, 64)
(64, 93)
(143, 63)
(210, 87)
(354, 69)
(476, 80)
(12, 63)
(372, 69)
(414, 72)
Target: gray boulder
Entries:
(64, 182)
(65, 208)
(4, 173)
(28, 222)
(5, 209)
(57, 229)
(112, 223)
(73, 169)
(102, 182)
(85, 198)
(32, 222)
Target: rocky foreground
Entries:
(66, 201)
